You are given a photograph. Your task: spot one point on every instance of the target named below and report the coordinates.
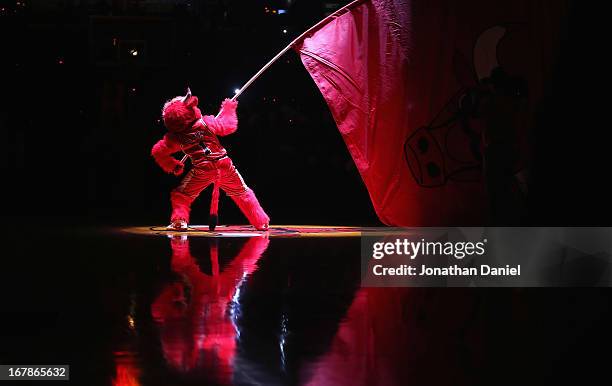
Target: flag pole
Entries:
(284, 50)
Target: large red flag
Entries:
(395, 74)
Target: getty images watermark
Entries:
(492, 257)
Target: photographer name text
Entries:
(453, 270)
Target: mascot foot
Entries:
(249, 205)
(263, 227)
(212, 222)
(177, 225)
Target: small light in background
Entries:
(236, 90)
(134, 52)
(60, 61)
(282, 11)
(284, 31)
(131, 322)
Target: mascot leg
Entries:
(232, 183)
(181, 198)
(248, 204)
(181, 207)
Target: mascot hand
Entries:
(178, 170)
(228, 103)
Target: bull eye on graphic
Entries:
(423, 145)
(433, 170)
(424, 158)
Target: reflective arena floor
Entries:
(144, 306)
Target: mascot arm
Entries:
(162, 153)
(227, 120)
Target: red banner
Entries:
(397, 76)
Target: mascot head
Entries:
(181, 112)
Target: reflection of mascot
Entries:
(196, 136)
(196, 313)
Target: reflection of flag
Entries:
(383, 340)
(393, 73)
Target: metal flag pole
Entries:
(284, 50)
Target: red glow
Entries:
(127, 372)
(383, 341)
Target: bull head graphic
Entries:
(449, 147)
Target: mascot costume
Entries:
(196, 136)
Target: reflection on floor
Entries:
(196, 313)
(126, 308)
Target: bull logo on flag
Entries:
(449, 148)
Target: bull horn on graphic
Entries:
(485, 51)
